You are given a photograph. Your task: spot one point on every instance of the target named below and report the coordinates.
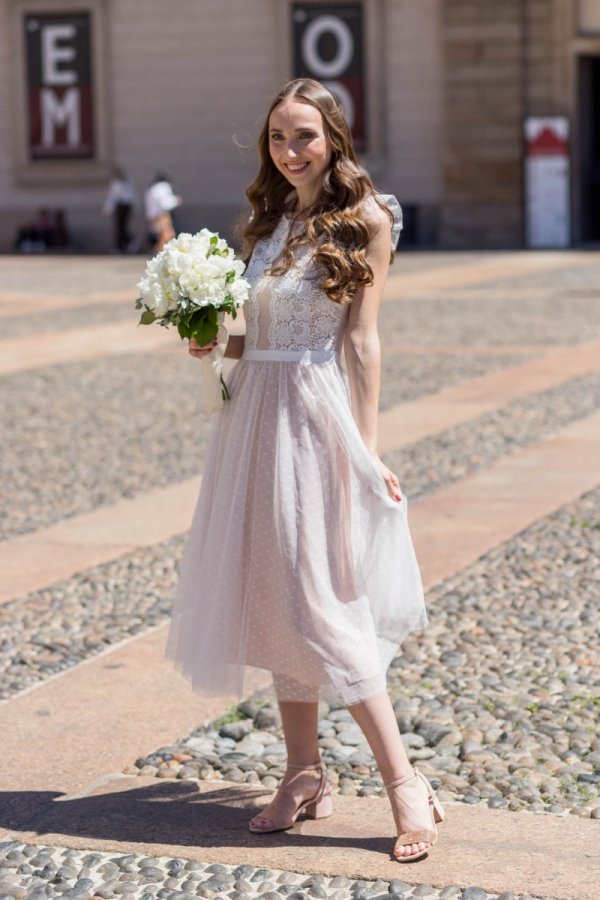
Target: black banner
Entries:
(59, 86)
(328, 46)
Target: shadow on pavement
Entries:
(173, 813)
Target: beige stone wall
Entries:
(483, 105)
(414, 133)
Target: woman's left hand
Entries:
(391, 482)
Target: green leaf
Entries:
(147, 317)
(230, 277)
(203, 332)
(214, 240)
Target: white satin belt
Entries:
(301, 356)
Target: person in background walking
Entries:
(159, 201)
(120, 202)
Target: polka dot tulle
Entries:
(297, 560)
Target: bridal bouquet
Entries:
(192, 283)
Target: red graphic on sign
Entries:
(547, 143)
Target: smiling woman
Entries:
(300, 148)
(299, 559)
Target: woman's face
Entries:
(299, 145)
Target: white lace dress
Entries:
(297, 560)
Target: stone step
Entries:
(499, 851)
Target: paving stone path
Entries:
(497, 699)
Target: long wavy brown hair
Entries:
(336, 225)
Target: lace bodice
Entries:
(290, 311)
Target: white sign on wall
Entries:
(547, 182)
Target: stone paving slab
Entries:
(90, 722)
(17, 304)
(498, 851)
(462, 521)
(493, 267)
(60, 347)
(410, 422)
(32, 561)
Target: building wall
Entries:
(186, 85)
(483, 104)
(415, 125)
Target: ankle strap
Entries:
(398, 781)
(318, 765)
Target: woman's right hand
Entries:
(197, 351)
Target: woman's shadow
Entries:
(170, 812)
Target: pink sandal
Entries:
(317, 807)
(435, 813)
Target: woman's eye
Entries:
(307, 135)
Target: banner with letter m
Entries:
(59, 86)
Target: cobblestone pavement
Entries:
(497, 699)
(28, 871)
(483, 315)
(59, 626)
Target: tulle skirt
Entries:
(297, 560)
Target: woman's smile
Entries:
(296, 168)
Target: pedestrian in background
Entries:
(120, 202)
(159, 201)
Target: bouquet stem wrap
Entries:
(213, 388)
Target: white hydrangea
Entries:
(186, 273)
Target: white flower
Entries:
(187, 272)
(239, 290)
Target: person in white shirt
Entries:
(159, 201)
(120, 202)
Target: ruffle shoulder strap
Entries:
(396, 210)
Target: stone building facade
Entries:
(440, 88)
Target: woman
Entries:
(299, 559)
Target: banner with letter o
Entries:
(328, 46)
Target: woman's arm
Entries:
(363, 350)
(235, 346)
